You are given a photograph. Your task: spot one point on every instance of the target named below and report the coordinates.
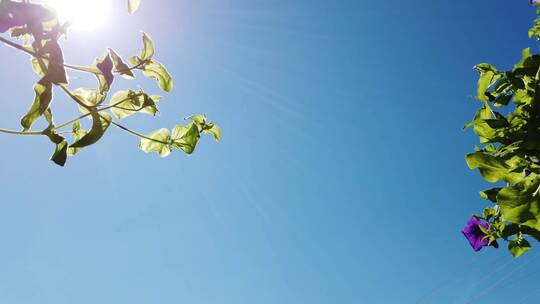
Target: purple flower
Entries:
(474, 234)
(534, 1)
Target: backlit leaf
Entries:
(214, 130)
(185, 137)
(158, 141)
(133, 5)
(158, 72)
(127, 103)
(147, 52)
(78, 133)
(42, 100)
(88, 96)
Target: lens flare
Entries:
(82, 14)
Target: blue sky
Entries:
(340, 177)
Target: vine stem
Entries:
(141, 135)
(12, 132)
(138, 134)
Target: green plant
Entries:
(508, 126)
(39, 29)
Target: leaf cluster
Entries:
(508, 127)
(39, 29)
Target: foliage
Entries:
(508, 127)
(39, 29)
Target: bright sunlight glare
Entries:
(82, 14)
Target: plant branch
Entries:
(12, 132)
(138, 134)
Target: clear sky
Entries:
(340, 177)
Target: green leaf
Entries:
(136, 61)
(133, 5)
(482, 114)
(78, 133)
(520, 204)
(186, 138)
(488, 76)
(39, 67)
(528, 66)
(523, 96)
(199, 120)
(59, 156)
(158, 141)
(127, 103)
(100, 124)
(147, 52)
(214, 130)
(88, 96)
(205, 127)
(42, 100)
(517, 248)
(535, 30)
(491, 130)
(491, 194)
(531, 232)
(157, 71)
(495, 169)
(525, 55)
(120, 67)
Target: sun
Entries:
(82, 14)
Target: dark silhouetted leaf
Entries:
(120, 67)
(105, 75)
(100, 124)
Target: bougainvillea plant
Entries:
(508, 126)
(38, 29)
